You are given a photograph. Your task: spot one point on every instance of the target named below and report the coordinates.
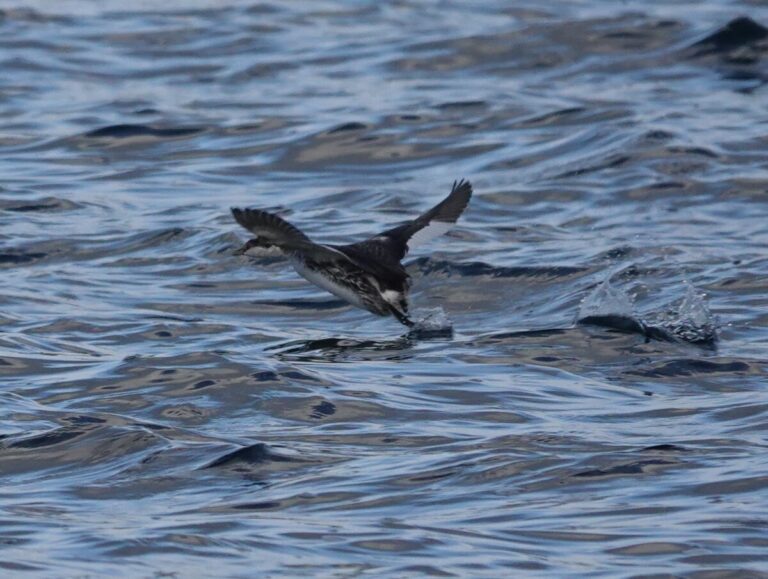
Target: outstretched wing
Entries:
(395, 243)
(271, 228)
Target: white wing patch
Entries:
(393, 297)
(434, 229)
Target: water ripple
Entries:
(584, 393)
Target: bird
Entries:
(367, 274)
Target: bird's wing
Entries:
(279, 232)
(390, 274)
(272, 228)
(395, 243)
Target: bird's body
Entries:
(367, 274)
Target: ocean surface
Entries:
(587, 391)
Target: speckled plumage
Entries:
(367, 274)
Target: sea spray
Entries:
(687, 320)
(606, 299)
(610, 306)
(432, 322)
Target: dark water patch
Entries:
(757, 78)
(43, 205)
(266, 376)
(249, 456)
(658, 135)
(638, 467)
(619, 252)
(429, 266)
(18, 257)
(556, 117)
(345, 349)
(738, 33)
(536, 46)
(696, 151)
(667, 185)
(264, 70)
(347, 411)
(622, 323)
(30, 15)
(125, 131)
(434, 476)
(423, 571)
(260, 506)
(14, 567)
(612, 163)
(740, 485)
(665, 447)
(522, 335)
(144, 241)
(322, 410)
(153, 427)
(431, 333)
(736, 51)
(203, 384)
(652, 549)
(81, 419)
(375, 149)
(351, 126)
(304, 501)
(692, 334)
(577, 350)
(89, 445)
(461, 105)
(52, 438)
(301, 304)
(696, 367)
(300, 376)
(633, 271)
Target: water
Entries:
(688, 321)
(171, 409)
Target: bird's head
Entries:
(252, 243)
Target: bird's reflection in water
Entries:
(354, 350)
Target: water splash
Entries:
(431, 323)
(688, 321)
(607, 300)
(611, 307)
